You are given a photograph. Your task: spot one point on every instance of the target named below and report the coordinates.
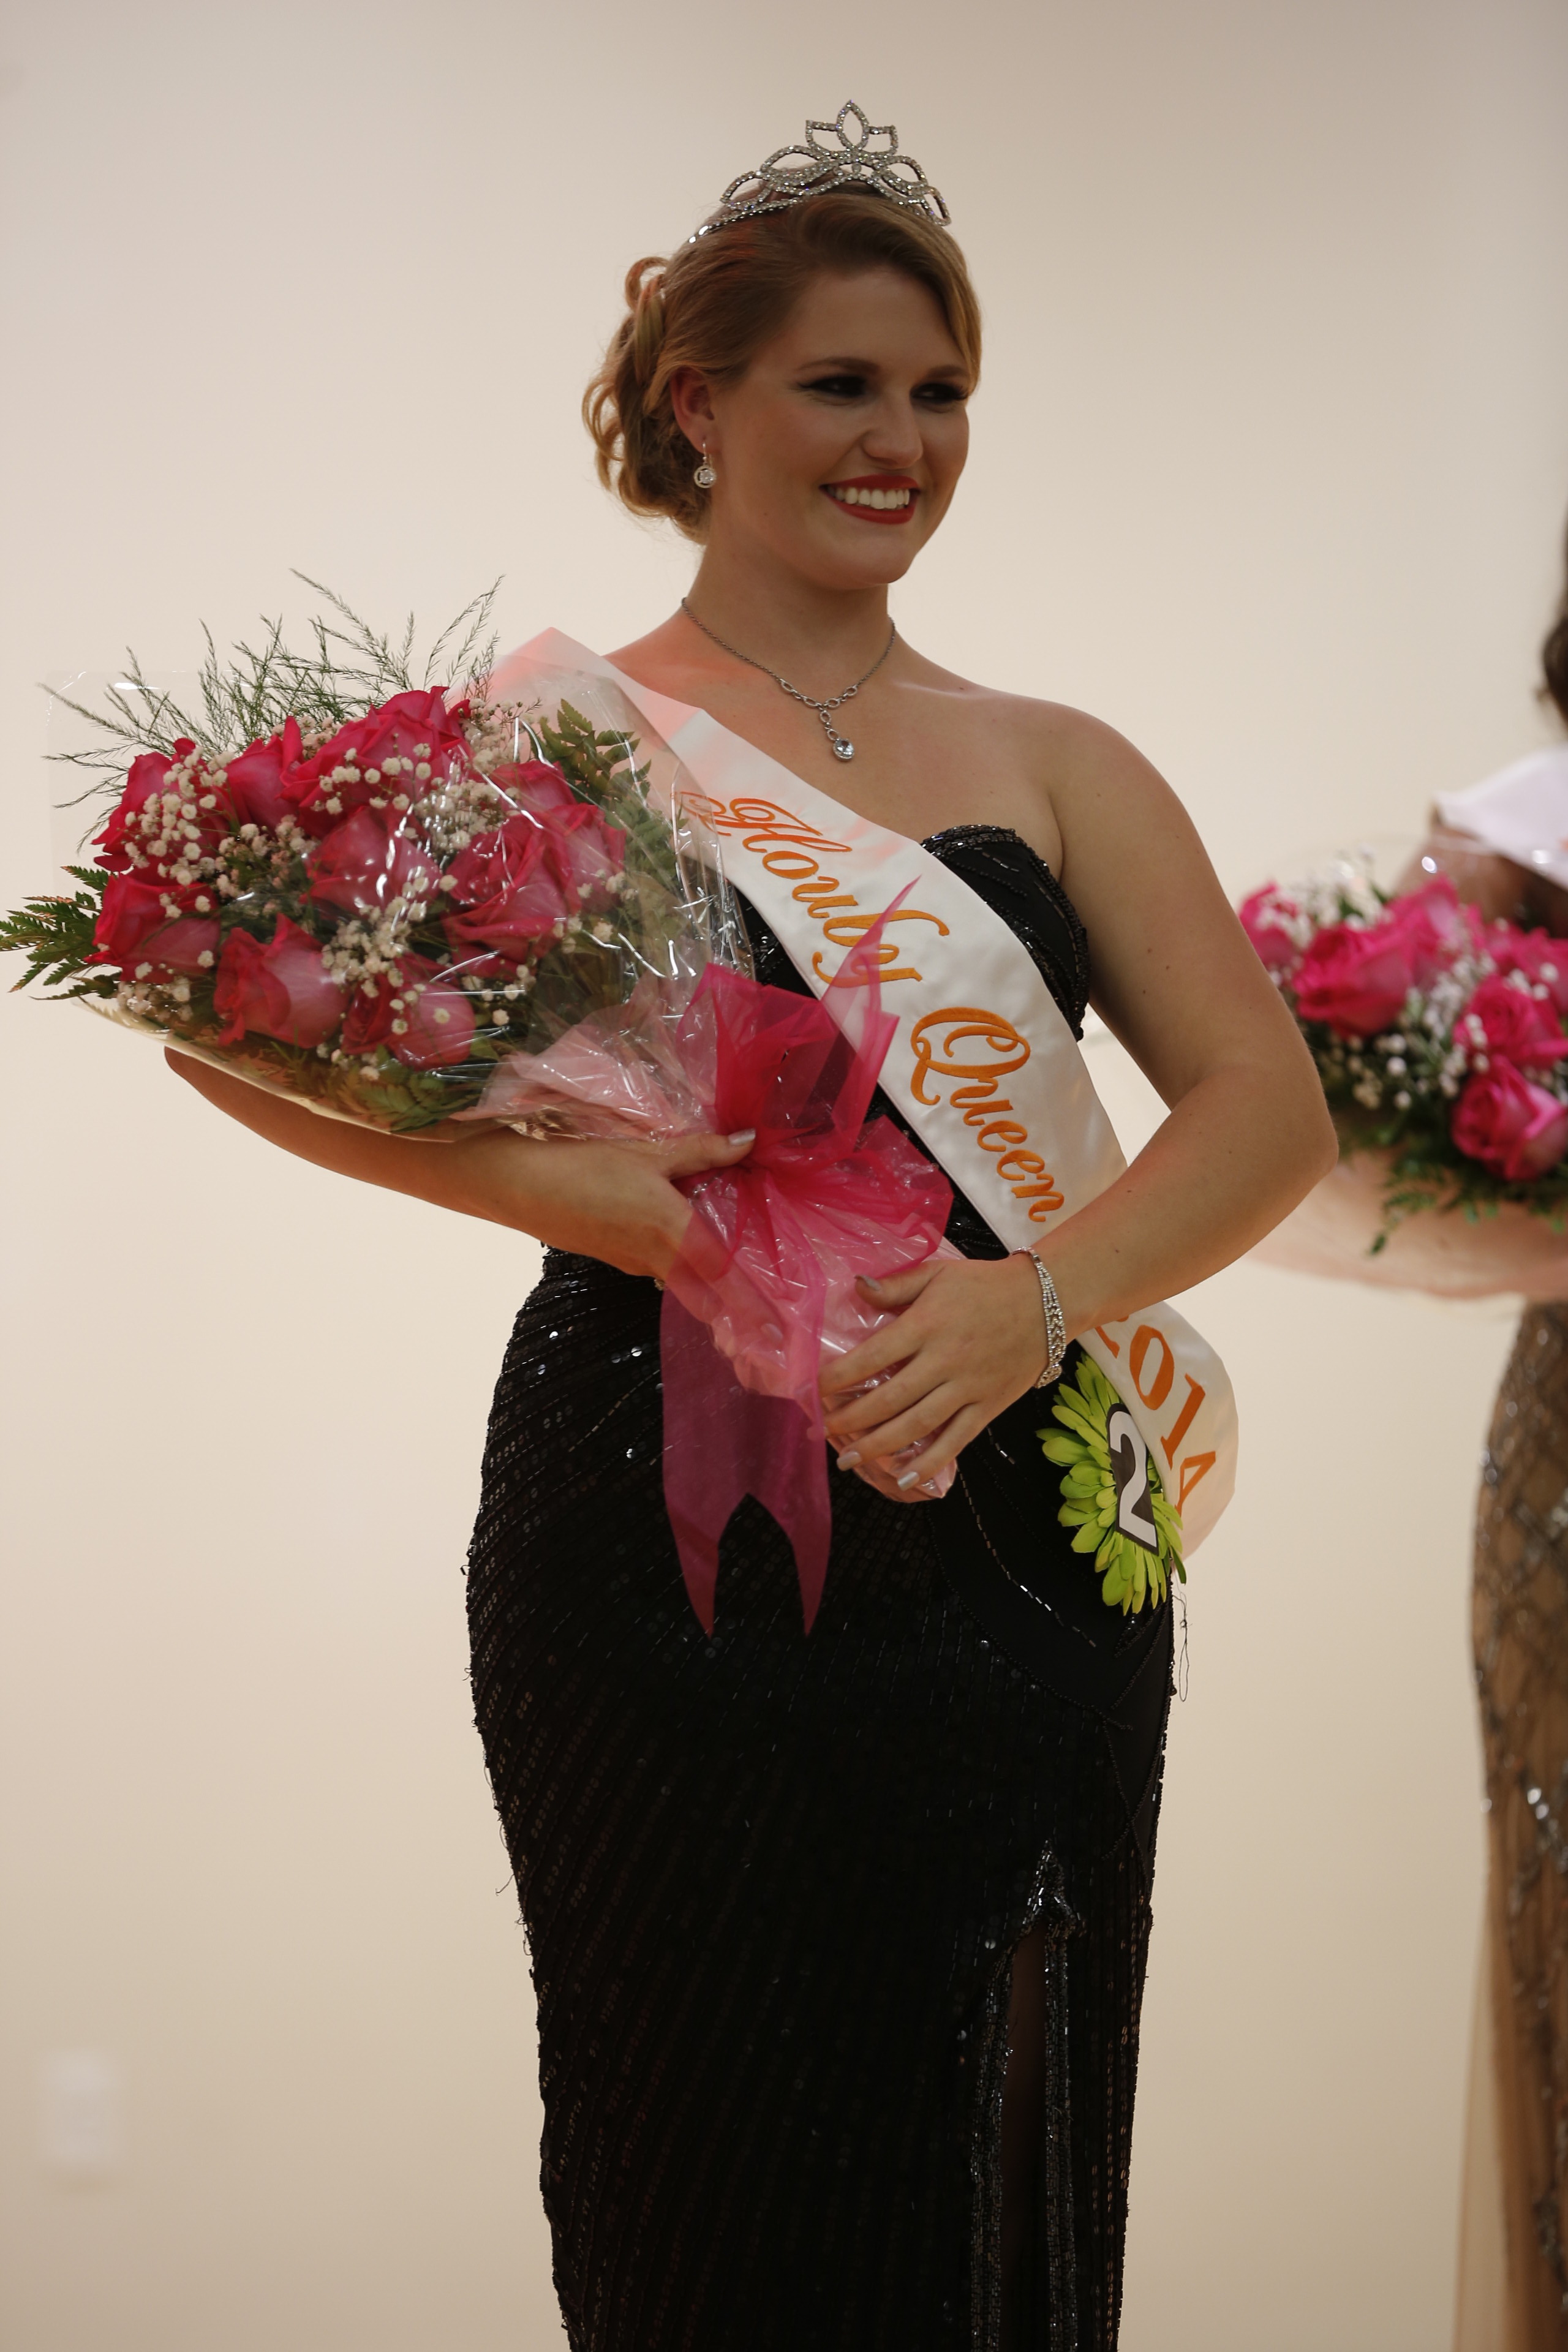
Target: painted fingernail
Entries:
(848, 1461)
(747, 1135)
(908, 1479)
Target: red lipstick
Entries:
(868, 513)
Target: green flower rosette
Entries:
(1131, 1573)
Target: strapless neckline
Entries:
(1011, 876)
(985, 832)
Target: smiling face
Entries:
(837, 452)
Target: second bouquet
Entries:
(1441, 1040)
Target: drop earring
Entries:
(705, 477)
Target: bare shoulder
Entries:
(1173, 974)
(1078, 776)
(1061, 744)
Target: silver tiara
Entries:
(850, 161)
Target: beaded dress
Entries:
(1513, 2292)
(1521, 1632)
(772, 1884)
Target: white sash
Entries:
(982, 1066)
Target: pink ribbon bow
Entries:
(765, 1280)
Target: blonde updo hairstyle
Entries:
(714, 304)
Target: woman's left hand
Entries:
(969, 1337)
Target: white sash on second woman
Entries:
(982, 1066)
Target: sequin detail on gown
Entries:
(773, 1884)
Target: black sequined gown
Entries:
(773, 1883)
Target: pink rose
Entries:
(440, 1026)
(1434, 927)
(179, 947)
(142, 837)
(258, 777)
(1515, 1129)
(376, 759)
(132, 911)
(377, 1002)
(418, 1013)
(1357, 978)
(123, 831)
(591, 853)
(362, 864)
(1263, 920)
(1543, 959)
(539, 784)
(1522, 1028)
(282, 990)
(511, 887)
(134, 928)
(1356, 981)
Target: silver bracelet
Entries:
(1056, 1327)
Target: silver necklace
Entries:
(842, 747)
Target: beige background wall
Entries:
(1270, 462)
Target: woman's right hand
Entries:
(617, 1201)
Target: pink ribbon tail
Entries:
(724, 1442)
(819, 1201)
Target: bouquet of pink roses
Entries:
(364, 892)
(1440, 1039)
(409, 906)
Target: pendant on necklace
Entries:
(842, 747)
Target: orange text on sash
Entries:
(968, 1052)
(784, 843)
(1152, 1383)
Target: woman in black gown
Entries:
(839, 1939)
(771, 1883)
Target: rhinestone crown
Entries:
(863, 155)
